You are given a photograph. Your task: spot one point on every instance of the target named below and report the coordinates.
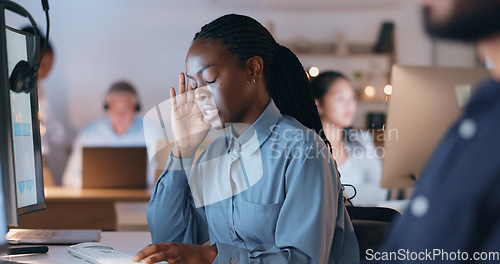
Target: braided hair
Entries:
(285, 77)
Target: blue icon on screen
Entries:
(21, 186)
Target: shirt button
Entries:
(467, 128)
(233, 261)
(420, 206)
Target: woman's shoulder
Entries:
(292, 131)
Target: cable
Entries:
(354, 195)
(45, 5)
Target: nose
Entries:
(202, 94)
(201, 98)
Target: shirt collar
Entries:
(253, 138)
(488, 92)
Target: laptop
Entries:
(425, 102)
(52, 236)
(114, 167)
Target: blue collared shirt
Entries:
(271, 195)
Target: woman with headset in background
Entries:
(354, 151)
(265, 192)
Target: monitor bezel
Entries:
(11, 182)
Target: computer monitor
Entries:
(424, 103)
(20, 151)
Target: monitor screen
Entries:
(25, 177)
(424, 103)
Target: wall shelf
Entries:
(374, 69)
(329, 49)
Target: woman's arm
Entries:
(172, 216)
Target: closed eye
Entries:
(210, 82)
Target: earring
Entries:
(252, 81)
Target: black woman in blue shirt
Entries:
(268, 190)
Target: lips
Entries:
(209, 112)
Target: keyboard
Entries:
(98, 253)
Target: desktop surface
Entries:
(58, 193)
(127, 242)
(82, 208)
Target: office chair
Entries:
(371, 225)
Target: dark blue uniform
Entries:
(455, 207)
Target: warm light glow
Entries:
(388, 89)
(370, 91)
(314, 71)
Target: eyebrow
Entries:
(201, 70)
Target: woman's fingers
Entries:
(173, 99)
(150, 250)
(182, 89)
(190, 94)
(157, 257)
(182, 83)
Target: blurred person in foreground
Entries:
(455, 206)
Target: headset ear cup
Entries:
(17, 77)
(23, 78)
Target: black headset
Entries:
(137, 106)
(24, 77)
(134, 92)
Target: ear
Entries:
(318, 105)
(255, 69)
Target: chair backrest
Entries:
(371, 225)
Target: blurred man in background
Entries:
(121, 128)
(456, 204)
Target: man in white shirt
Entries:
(121, 128)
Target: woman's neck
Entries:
(252, 115)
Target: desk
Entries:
(127, 242)
(81, 208)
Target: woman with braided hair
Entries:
(267, 191)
